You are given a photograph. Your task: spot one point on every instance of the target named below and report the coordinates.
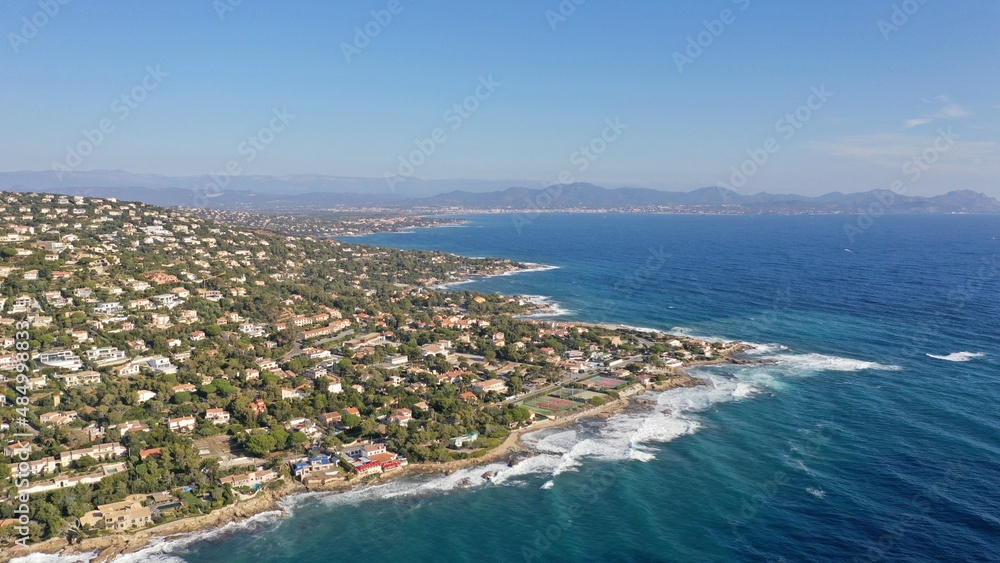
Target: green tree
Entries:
(520, 413)
(261, 444)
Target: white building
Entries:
(62, 359)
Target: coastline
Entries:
(531, 267)
(458, 222)
(104, 549)
(109, 547)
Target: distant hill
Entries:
(589, 196)
(306, 192)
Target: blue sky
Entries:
(925, 84)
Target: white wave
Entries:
(425, 485)
(631, 436)
(533, 268)
(55, 558)
(958, 356)
(643, 329)
(818, 493)
(548, 485)
(744, 390)
(758, 349)
(779, 356)
(549, 307)
(823, 362)
(168, 550)
(446, 285)
(691, 333)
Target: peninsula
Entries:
(165, 371)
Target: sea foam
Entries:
(958, 356)
(550, 308)
(169, 549)
(811, 362)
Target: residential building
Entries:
(217, 416)
(181, 424)
(123, 515)
(58, 418)
(80, 378)
(253, 479)
(495, 385)
(99, 452)
(62, 359)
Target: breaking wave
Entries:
(778, 354)
(548, 307)
(958, 356)
(170, 549)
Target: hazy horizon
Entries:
(414, 188)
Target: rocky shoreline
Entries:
(107, 548)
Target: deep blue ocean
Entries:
(874, 435)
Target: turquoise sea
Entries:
(874, 434)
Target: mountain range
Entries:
(312, 192)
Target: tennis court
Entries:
(604, 382)
(588, 395)
(548, 405)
